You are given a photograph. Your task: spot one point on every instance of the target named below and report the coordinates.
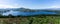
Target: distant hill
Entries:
(30, 10)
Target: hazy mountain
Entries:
(25, 11)
(28, 10)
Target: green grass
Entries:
(34, 20)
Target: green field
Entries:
(31, 20)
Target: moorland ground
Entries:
(31, 20)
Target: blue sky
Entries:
(32, 4)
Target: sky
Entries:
(32, 4)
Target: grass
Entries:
(32, 20)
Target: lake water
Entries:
(15, 13)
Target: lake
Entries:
(15, 13)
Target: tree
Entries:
(1, 15)
(10, 15)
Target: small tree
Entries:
(1, 15)
(10, 15)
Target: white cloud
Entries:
(8, 6)
(54, 7)
(16, 5)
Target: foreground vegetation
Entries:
(35, 19)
